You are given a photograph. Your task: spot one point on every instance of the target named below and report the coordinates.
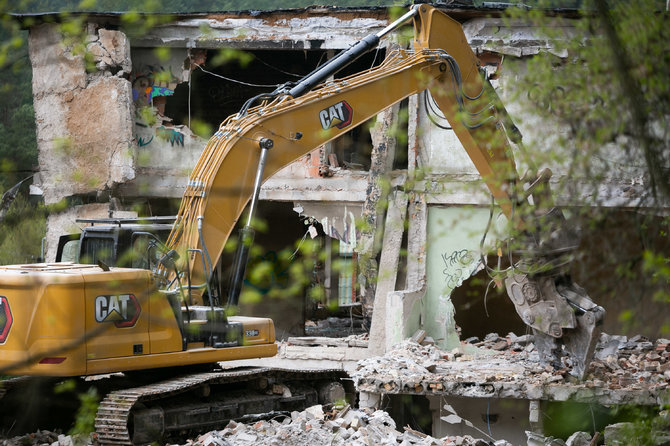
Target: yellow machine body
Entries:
(70, 320)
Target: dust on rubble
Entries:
(624, 370)
(314, 427)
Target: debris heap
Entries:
(625, 370)
(315, 427)
(45, 438)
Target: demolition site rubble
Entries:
(46, 438)
(624, 371)
(315, 427)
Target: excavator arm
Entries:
(558, 310)
(295, 119)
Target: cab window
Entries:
(96, 249)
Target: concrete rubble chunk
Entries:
(314, 412)
(245, 437)
(212, 439)
(65, 440)
(615, 434)
(418, 336)
(579, 439)
(535, 439)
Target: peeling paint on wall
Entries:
(338, 220)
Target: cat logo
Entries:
(338, 115)
(6, 319)
(122, 309)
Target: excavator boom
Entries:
(290, 122)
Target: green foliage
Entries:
(201, 128)
(228, 55)
(21, 231)
(610, 94)
(647, 426)
(171, 6)
(657, 266)
(18, 146)
(84, 422)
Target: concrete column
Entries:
(416, 242)
(535, 416)
(374, 207)
(384, 314)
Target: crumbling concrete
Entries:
(317, 353)
(280, 30)
(387, 321)
(504, 372)
(111, 50)
(375, 203)
(516, 38)
(509, 368)
(84, 127)
(45, 437)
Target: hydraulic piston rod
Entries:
(246, 236)
(343, 59)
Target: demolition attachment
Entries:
(558, 310)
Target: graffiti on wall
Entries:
(457, 267)
(151, 85)
(141, 142)
(170, 134)
(152, 82)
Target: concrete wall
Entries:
(84, 127)
(83, 116)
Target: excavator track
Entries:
(147, 413)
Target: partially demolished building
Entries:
(121, 124)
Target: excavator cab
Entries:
(127, 242)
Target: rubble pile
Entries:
(618, 361)
(43, 438)
(315, 427)
(414, 368)
(622, 362)
(624, 370)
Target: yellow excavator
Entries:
(73, 319)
